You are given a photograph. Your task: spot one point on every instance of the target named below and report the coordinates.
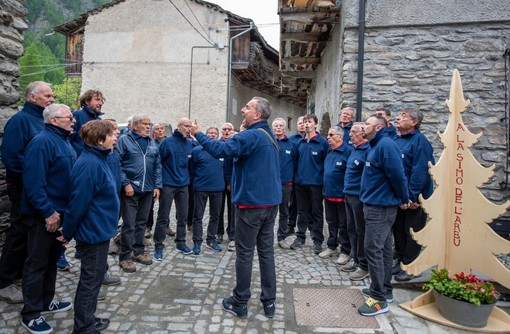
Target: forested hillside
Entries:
(44, 56)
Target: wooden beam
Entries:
(306, 37)
(309, 18)
(301, 60)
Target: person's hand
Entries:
(61, 238)
(53, 222)
(413, 205)
(195, 127)
(156, 193)
(129, 190)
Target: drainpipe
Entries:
(230, 68)
(506, 58)
(361, 57)
(215, 46)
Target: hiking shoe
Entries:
(113, 248)
(110, 279)
(101, 323)
(373, 307)
(158, 255)
(269, 309)
(229, 305)
(196, 249)
(101, 295)
(62, 263)
(389, 295)
(349, 266)
(56, 306)
(317, 248)
(128, 266)
(183, 249)
(283, 244)
(219, 238)
(170, 232)
(343, 259)
(297, 244)
(11, 294)
(328, 253)
(358, 274)
(142, 258)
(37, 325)
(402, 276)
(213, 245)
(231, 246)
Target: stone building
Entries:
(12, 26)
(409, 50)
(172, 60)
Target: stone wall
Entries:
(12, 26)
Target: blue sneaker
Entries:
(158, 255)
(183, 249)
(56, 306)
(37, 325)
(62, 263)
(196, 249)
(213, 245)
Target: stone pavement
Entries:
(182, 294)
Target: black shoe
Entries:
(219, 238)
(101, 323)
(269, 309)
(317, 248)
(297, 244)
(396, 267)
(404, 277)
(240, 311)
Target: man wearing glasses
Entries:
(18, 132)
(47, 169)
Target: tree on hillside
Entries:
(68, 92)
(30, 65)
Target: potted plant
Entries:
(462, 299)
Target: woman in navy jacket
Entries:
(91, 219)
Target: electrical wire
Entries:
(192, 13)
(191, 24)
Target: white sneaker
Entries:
(11, 294)
(283, 244)
(328, 253)
(231, 246)
(343, 259)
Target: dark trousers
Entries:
(406, 248)
(226, 203)
(93, 268)
(337, 227)
(166, 197)
(255, 227)
(135, 211)
(378, 250)
(293, 211)
(150, 218)
(283, 210)
(354, 213)
(14, 252)
(200, 201)
(310, 213)
(40, 273)
(191, 206)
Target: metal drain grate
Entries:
(336, 307)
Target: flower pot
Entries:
(463, 313)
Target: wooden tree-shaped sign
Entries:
(457, 236)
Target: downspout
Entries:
(361, 57)
(230, 69)
(506, 58)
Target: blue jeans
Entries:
(93, 268)
(354, 212)
(255, 227)
(200, 200)
(310, 213)
(40, 273)
(337, 227)
(378, 250)
(166, 197)
(283, 209)
(135, 212)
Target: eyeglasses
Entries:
(354, 131)
(226, 129)
(333, 134)
(70, 118)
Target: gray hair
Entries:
(338, 131)
(53, 110)
(139, 117)
(33, 88)
(415, 115)
(279, 119)
(263, 107)
(300, 118)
